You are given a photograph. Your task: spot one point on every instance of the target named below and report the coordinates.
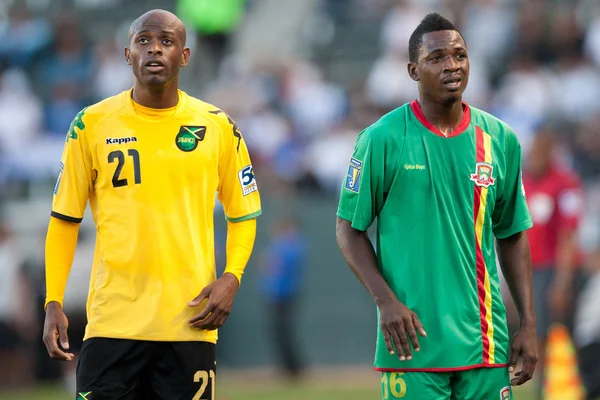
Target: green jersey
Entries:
(439, 201)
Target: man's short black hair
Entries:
(431, 23)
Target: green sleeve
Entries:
(511, 214)
(364, 187)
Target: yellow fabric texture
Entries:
(61, 241)
(151, 178)
(240, 241)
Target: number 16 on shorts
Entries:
(393, 385)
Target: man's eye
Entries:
(167, 41)
(142, 40)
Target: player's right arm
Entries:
(361, 200)
(68, 205)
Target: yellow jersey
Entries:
(152, 178)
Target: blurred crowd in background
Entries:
(301, 78)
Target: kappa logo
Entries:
(84, 396)
(354, 174)
(188, 137)
(505, 393)
(483, 175)
(121, 140)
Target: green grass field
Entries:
(248, 389)
(297, 393)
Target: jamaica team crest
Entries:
(188, 137)
(483, 175)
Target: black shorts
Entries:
(120, 369)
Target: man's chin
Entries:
(155, 82)
(452, 98)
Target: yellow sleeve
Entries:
(237, 191)
(61, 241)
(74, 181)
(240, 242)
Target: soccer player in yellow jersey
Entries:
(151, 162)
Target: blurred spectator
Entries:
(328, 166)
(524, 95)
(586, 149)
(389, 85)
(24, 38)
(281, 285)
(66, 76)
(398, 24)
(112, 74)
(16, 314)
(488, 28)
(592, 41)
(20, 112)
(20, 124)
(555, 200)
(587, 331)
(313, 103)
(575, 87)
(213, 22)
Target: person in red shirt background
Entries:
(555, 199)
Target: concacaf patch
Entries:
(354, 175)
(247, 180)
(60, 172)
(505, 393)
(483, 175)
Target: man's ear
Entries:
(186, 57)
(413, 72)
(127, 56)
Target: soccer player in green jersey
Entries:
(443, 180)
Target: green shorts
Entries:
(474, 384)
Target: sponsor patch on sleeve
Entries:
(247, 180)
(354, 175)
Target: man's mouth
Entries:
(452, 82)
(154, 65)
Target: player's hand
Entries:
(559, 298)
(220, 296)
(398, 323)
(524, 346)
(55, 330)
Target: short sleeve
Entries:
(511, 214)
(74, 182)
(238, 190)
(364, 187)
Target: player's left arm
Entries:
(510, 220)
(238, 192)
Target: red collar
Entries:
(464, 124)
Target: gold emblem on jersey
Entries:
(483, 175)
(188, 137)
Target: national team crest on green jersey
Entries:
(483, 175)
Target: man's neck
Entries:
(166, 98)
(445, 117)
